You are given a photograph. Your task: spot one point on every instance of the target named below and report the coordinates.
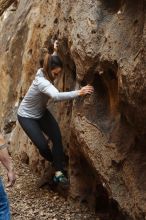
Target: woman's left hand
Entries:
(86, 90)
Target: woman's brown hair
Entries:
(51, 62)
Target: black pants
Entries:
(34, 128)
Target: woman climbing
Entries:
(36, 119)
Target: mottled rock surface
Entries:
(102, 43)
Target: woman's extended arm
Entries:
(46, 87)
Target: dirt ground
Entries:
(28, 202)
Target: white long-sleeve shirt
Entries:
(34, 103)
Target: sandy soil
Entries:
(30, 202)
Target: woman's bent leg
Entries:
(50, 127)
(34, 132)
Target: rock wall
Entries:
(102, 43)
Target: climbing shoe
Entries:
(61, 179)
(61, 185)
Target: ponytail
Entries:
(47, 67)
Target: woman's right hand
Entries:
(86, 90)
(55, 53)
(56, 44)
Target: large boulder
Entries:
(103, 44)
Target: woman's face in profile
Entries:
(56, 72)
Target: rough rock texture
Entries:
(4, 4)
(102, 43)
